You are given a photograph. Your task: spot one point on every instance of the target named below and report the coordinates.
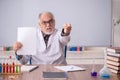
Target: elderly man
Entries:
(50, 42)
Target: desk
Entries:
(77, 75)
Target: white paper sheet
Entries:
(25, 68)
(27, 36)
(69, 68)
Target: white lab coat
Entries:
(53, 53)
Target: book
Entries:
(70, 68)
(114, 49)
(113, 67)
(28, 68)
(113, 63)
(55, 75)
(115, 71)
(113, 58)
(113, 54)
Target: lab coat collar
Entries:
(50, 40)
(41, 39)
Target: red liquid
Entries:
(13, 67)
(3, 67)
(6, 67)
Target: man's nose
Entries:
(48, 24)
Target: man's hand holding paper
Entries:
(26, 44)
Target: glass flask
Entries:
(105, 71)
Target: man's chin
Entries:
(49, 32)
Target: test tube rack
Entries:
(16, 70)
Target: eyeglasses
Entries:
(48, 22)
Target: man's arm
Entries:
(66, 30)
(21, 58)
(64, 37)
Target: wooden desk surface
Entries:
(76, 75)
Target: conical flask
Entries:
(105, 72)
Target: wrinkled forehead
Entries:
(46, 17)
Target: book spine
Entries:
(113, 54)
(114, 49)
(113, 58)
(113, 63)
(110, 50)
(115, 71)
(113, 67)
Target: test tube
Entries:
(13, 64)
(7, 67)
(3, 66)
(93, 73)
(0, 65)
(17, 69)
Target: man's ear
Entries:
(39, 23)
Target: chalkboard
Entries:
(90, 19)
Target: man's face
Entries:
(47, 23)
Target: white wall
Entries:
(116, 28)
(90, 19)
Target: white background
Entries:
(90, 19)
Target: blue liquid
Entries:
(93, 73)
(106, 76)
(0, 68)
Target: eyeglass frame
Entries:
(51, 21)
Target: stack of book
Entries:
(113, 59)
